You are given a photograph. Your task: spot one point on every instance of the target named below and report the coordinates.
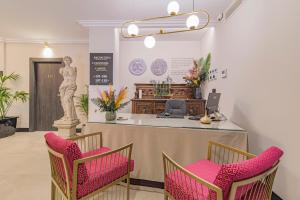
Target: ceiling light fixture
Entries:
(149, 42)
(47, 51)
(173, 8)
(192, 23)
(133, 30)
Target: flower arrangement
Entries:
(198, 74)
(109, 101)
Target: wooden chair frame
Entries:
(215, 149)
(63, 186)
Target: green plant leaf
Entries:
(7, 97)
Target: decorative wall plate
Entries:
(159, 67)
(137, 67)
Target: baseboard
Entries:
(146, 183)
(22, 130)
(78, 130)
(276, 197)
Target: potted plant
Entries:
(109, 102)
(83, 104)
(7, 98)
(198, 75)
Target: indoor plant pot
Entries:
(9, 121)
(110, 116)
(197, 92)
(8, 126)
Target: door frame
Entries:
(32, 87)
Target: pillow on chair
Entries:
(71, 152)
(230, 173)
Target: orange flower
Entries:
(110, 91)
(104, 96)
(121, 97)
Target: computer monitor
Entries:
(212, 104)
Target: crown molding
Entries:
(174, 23)
(40, 41)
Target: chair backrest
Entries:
(176, 107)
(235, 172)
(62, 155)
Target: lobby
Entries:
(135, 99)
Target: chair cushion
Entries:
(71, 152)
(230, 173)
(182, 187)
(103, 171)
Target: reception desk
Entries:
(184, 140)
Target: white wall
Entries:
(260, 45)
(2, 49)
(166, 50)
(17, 60)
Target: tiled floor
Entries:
(25, 171)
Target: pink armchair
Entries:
(81, 168)
(227, 174)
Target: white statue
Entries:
(67, 90)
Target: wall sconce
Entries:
(47, 51)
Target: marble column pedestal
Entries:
(66, 129)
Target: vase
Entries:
(197, 92)
(110, 116)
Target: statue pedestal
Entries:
(66, 129)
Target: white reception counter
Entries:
(184, 140)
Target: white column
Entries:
(103, 40)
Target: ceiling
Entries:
(58, 19)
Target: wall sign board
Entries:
(101, 68)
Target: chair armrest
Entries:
(102, 162)
(120, 150)
(222, 154)
(88, 142)
(190, 180)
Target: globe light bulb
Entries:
(133, 30)
(47, 51)
(173, 8)
(192, 22)
(149, 42)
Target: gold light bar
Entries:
(162, 31)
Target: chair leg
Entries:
(165, 196)
(52, 191)
(128, 187)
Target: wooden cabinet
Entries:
(194, 107)
(142, 107)
(151, 105)
(156, 106)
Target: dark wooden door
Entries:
(48, 107)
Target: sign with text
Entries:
(101, 68)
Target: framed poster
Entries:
(101, 68)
